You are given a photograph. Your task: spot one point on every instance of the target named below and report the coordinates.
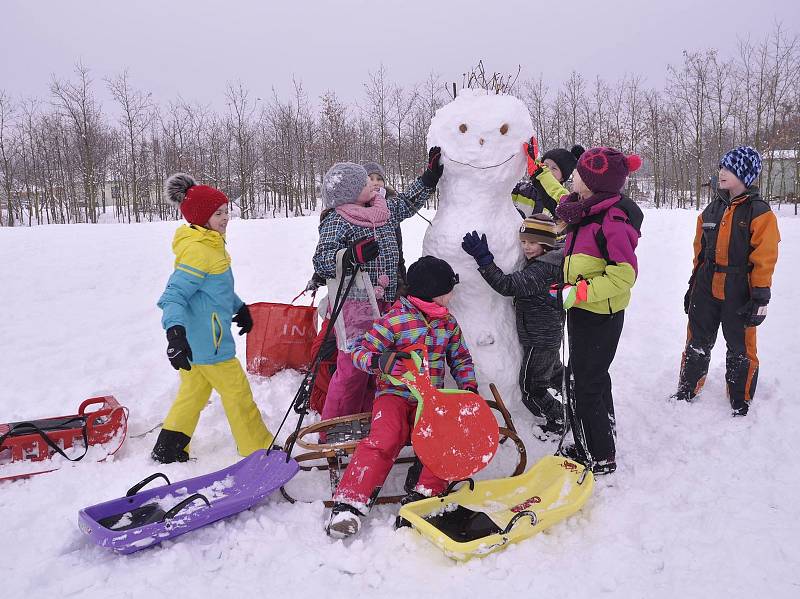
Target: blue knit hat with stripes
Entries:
(744, 162)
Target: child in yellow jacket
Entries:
(199, 305)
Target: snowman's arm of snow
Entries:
(619, 275)
(534, 279)
(334, 235)
(459, 359)
(407, 203)
(376, 340)
(184, 282)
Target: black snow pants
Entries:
(593, 340)
(541, 370)
(706, 313)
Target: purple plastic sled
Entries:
(144, 518)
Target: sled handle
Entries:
(530, 514)
(174, 511)
(453, 484)
(138, 486)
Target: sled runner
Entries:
(487, 516)
(39, 446)
(344, 433)
(145, 518)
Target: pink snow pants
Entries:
(392, 420)
(350, 391)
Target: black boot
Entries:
(410, 497)
(412, 476)
(576, 454)
(170, 447)
(543, 405)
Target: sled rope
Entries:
(54, 446)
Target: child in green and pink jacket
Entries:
(600, 268)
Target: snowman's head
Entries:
(481, 136)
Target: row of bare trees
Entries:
(65, 159)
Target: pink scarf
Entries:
(429, 308)
(371, 216)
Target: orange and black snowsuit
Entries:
(735, 250)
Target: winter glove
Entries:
(389, 362)
(178, 350)
(243, 319)
(478, 248)
(317, 281)
(361, 251)
(471, 389)
(755, 310)
(434, 171)
(532, 150)
(571, 295)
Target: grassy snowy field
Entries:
(701, 505)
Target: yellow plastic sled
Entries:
(487, 516)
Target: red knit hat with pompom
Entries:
(196, 202)
(604, 170)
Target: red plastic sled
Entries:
(39, 446)
(456, 434)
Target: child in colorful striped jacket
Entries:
(420, 318)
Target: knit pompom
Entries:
(176, 187)
(577, 150)
(634, 162)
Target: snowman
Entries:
(481, 137)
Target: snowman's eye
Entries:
(462, 127)
(504, 129)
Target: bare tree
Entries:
(77, 102)
(136, 114)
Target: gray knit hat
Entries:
(373, 168)
(343, 183)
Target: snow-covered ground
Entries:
(702, 505)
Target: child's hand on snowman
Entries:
(477, 247)
(531, 148)
(434, 170)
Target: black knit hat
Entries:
(430, 277)
(565, 159)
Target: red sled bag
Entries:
(281, 337)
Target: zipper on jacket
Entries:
(215, 322)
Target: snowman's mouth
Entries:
(481, 168)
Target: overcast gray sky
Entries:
(192, 47)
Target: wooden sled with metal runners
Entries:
(344, 433)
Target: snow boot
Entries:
(410, 497)
(170, 447)
(345, 521)
(548, 410)
(600, 467)
(740, 410)
(412, 476)
(682, 395)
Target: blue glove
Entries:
(478, 248)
